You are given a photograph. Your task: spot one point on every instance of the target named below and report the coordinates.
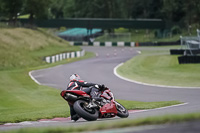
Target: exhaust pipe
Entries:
(70, 97)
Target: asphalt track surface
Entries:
(100, 69)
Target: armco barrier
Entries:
(177, 51)
(62, 56)
(122, 44)
(184, 51)
(107, 44)
(188, 59)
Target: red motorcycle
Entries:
(91, 110)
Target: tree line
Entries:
(174, 11)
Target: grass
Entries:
(158, 67)
(138, 105)
(21, 99)
(20, 48)
(114, 124)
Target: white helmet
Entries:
(74, 77)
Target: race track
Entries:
(100, 70)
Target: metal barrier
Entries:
(62, 56)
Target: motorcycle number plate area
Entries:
(109, 108)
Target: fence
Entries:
(191, 45)
(100, 37)
(62, 56)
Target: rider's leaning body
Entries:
(77, 84)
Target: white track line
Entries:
(36, 81)
(137, 82)
(177, 105)
(30, 74)
(49, 121)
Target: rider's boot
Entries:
(75, 117)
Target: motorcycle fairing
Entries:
(76, 92)
(108, 108)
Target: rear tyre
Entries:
(90, 114)
(121, 110)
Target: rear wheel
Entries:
(81, 109)
(121, 110)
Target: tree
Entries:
(11, 8)
(92, 9)
(144, 8)
(173, 10)
(192, 9)
(37, 8)
(57, 8)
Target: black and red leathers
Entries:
(78, 85)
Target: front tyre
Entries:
(90, 114)
(121, 110)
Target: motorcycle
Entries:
(91, 110)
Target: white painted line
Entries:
(139, 52)
(26, 123)
(47, 121)
(38, 76)
(30, 74)
(50, 120)
(177, 105)
(137, 82)
(33, 78)
(97, 55)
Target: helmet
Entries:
(74, 77)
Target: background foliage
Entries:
(175, 11)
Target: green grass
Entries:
(21, 99)
(158, 67)
(24, 16)
(138, 105)
(23, 48)
(114, 124)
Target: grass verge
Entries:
(159, 67)
(21, 99)
(112, 125)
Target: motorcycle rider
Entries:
(77, 84)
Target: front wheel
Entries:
(90, 114)
(121, 110)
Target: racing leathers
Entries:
(92, 89)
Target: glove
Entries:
(97, 86)
(103, 87)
